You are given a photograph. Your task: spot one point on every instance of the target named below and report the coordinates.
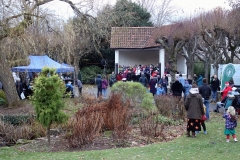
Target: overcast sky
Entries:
(185, 7)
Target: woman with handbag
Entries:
(194, 107)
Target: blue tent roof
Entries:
(39, 62)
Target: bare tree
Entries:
(189, 51)
(17, 17)
(161, 11)
(173, 43)
(213, 29)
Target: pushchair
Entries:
(236, 104)
(69, 92)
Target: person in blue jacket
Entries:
(160, 90)
(187, 88)
(200, 81)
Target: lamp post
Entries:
(104, 63)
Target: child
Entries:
(202, 122)
(230, 123)
(160, 90)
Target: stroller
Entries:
(236, 104)
(69, 92)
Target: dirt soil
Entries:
(24, 108)
(58, 143)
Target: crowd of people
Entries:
(196, 92)
(197, 106)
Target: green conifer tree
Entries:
(48, 89)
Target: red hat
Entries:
(227, 83)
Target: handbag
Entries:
(204, 118)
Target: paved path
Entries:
(92, 89)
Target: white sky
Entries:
(185, 7)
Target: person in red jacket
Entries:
(225, 91)
(119, 76)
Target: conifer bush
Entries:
(48, 90)
(136, 93)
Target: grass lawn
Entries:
(212, 146)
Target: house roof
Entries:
(133, 37)
(140, 37)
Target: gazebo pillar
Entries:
(162, 61)
(116, 61)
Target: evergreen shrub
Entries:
(136, 93)
(48, 90)
(89, 74)
(17, 119)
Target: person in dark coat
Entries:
(190, 81)
(205, 92)
(99, 85)
(164, 83)
(143, 80)
(177, 88)
(152, 84)
(194, 107)
(215, 83)
(231, 82)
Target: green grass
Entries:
(204, 147)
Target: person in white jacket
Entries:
(137, 73)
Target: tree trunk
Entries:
(76, 66)
(190, 68)
(48, 135)
(8, 82)
(206, 71)
(215, 69)
(173, 70)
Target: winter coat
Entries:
(129, 76)
(99, 81)
(177, 88)
(119, 77)
(182, 81)
(160, 91)
(79, 83)
(152, 84)
(194, 106)
(190, 81)
(225, 91)
(143, 80)
(104, 84)
(163, 82)
(231, 121)
(199, 81)
(205, 91)
(215, 83)
(187, 88)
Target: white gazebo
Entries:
(136, 45)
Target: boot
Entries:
(193, 135)
(188, 134)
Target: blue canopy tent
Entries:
(39, 62)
